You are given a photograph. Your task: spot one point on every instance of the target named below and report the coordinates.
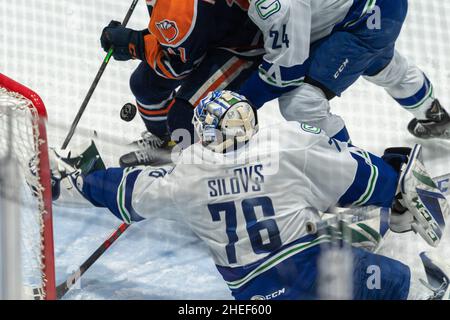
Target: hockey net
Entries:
(23, 146)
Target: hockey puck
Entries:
(128, 112)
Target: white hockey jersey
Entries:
(251, 202)
(290, 27)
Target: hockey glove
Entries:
(68, 170)
(128, 44)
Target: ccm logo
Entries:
(341, 68)
(270, 296)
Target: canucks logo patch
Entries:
(310, 129)
(168, 29)
(266, 8)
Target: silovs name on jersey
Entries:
(242, 180)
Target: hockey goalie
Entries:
(249, 192)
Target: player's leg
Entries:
(309, 104)
(376, 277)
(410, 87)
(337, 61)
(153, 106)
(347, 58)
(405, 82)
(371, 277)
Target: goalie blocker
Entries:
(419, 206)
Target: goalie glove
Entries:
(420, 206)
(68, 169)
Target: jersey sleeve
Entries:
(286, 26)
(132, 194)
(328, 166)
(153, 194)
(341, 174)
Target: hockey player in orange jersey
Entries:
(196, 45)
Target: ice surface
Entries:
(52, 46)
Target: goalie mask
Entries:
(224, 121)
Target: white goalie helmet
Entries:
(225, 120)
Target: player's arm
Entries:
(415, 201)
(131, 194)
(173, 45)
(347, 176)
(140, 45)
(342, 175)
(286, 26)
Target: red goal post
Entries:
(30, 150)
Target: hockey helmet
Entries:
(225, 120)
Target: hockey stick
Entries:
(349, 216)
(96, 81)
(64, 287)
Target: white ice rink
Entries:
(52, 46)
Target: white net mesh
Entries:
(19, 142)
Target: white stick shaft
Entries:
(349, 216)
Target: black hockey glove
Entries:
(128, 44)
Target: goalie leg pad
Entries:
(438, 276)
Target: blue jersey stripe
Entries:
(231, 274)
(418, 97)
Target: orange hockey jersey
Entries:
(182, 32)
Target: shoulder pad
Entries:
(172, 22)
